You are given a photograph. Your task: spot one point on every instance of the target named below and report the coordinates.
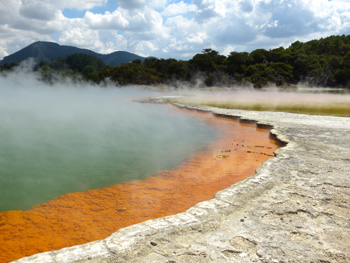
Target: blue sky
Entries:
(110, 6)
(169, 28)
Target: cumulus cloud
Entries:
(157, 3)
(178, 8)
(237, 32)
(37, 10)
(198, 38)
(170, 28)
(289, 18)
(141, 46)
(115, 20)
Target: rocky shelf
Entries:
(296, 208)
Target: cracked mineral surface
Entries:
(296, 208)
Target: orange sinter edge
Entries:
(81, 217)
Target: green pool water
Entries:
(65, 138)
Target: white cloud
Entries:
(38, 10)
(335, 14)
(291, 18)
(181, 26)
(198, 38)
(85, 38)
(114, 20)
(145, 47)
(157, 3)
(178, 8)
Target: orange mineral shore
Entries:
(81, 217)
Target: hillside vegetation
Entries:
(323, 62)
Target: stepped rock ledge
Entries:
(296, 208)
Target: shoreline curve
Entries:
(295, 208)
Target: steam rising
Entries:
(319, 101)
(72, 137)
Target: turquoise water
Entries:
(64, 138)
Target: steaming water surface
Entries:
(64, 138)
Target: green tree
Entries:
(276, 55)
(342, 77)
(88, 69)
(237, 62)
(259, 56)
(257, 75)
(77, 62)
(208, 61)
(296, 46)
(202, 62)
(137, 61)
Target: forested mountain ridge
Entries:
(43, 50)
(324, 62)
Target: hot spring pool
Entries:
(88, 161)
(68, 138)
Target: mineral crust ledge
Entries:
(296, 208)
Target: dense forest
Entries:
(323, 62)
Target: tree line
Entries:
(323, 62)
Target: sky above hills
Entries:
(169, 28)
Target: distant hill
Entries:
(42, 50)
